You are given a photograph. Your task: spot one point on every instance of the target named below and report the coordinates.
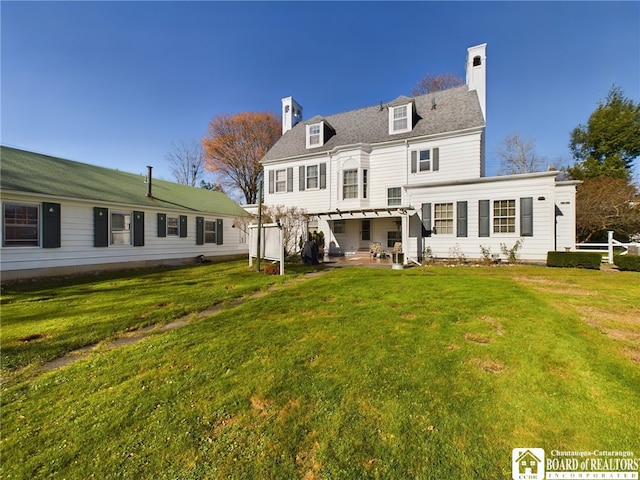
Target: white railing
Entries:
(600, 247)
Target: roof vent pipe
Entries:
(149, 181)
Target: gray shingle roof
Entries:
(30, 172)
(455, 109)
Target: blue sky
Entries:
(115, 83)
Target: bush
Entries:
(574, 260)
(272, 269)
(627, 262)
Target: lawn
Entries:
(426, 373)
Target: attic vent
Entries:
(477, 61)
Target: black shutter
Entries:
(414, 161)
(271, 175)
(199, 230)
(484, 218)
(138, 229)
(183, 226)
(436, 159)
(219, 231)
(323, 175)
(426, 220)
(290, 179)
(162, 224)
(461, 219)
(100, 227)
(51, 229)
(301, 179)
(526, 217)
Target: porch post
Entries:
(610, 246)
(405, 236)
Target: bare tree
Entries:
(518, 155)
(434, 83)
(607, 203)
(294, 223)
(187, 162)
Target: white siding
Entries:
(541, 189)
(77, 240)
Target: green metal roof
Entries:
(30, 172)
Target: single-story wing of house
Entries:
(63, 217)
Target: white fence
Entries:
(272, 244)
(602, 247)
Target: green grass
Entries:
(359, 373)
(44, 320)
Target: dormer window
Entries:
(400, 119)
(319, 133)
(313, 135)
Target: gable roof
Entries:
(30, 172)
(455, 109)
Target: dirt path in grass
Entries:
(140, 334)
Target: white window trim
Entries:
(389, 198)
(215, 232)
(515, 217)
(317, 177)
(419, 161)
(451, 219)
(111, 230)
(319, 135)
(177, 219)
(283, 182)
(356, 184)
(38, 224)
(392, 119)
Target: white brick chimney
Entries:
(477, 74)
(291, 114)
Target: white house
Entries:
(413, 171)
(61, 217)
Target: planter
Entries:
(398, 260)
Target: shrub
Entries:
(272, 269)
(512, 253)
(574, 260)
(627, 262)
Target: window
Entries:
(173, 227)
(425, 160)
(313, 138)
(504, 216)
(350, 184)
(443, 218)
(365, 183)
(400, 118)
(21, 225)
(120, 228)
(210, 231)
(394, 196)
(281, 180)
(393, 236)
(312, 176)
(338, 226)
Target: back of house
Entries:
(412, 172)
